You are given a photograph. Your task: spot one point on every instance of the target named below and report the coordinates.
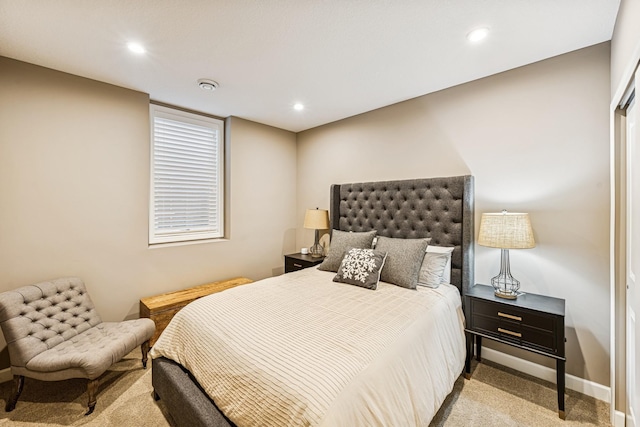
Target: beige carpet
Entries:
(494, 397)
(498, 396)
(124, 399)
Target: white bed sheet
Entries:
(302, 350)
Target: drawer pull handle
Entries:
(510, 316)
(297, 265)
(508, 332)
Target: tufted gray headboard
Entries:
(440, 208)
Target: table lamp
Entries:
(506, 230)
(316, 219)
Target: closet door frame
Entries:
(619, 169)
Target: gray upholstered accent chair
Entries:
(54, 332)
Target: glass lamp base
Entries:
(504, 284)
(316, 251)
(505, 287)
(501, 293)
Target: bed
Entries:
(345, 355)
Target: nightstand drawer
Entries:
(525, 317)
(515, 332)
(291, 264)
(517, 325)
(295, 262)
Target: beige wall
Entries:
(74, 182)
(536, 140)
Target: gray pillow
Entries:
(340, 242)
(432, 269)
(404, 258)
(361, 267)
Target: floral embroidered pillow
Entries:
(361, 267)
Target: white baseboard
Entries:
(5, 375)
(618, 419)
(581, 385)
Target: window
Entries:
(187, 165)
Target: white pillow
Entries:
(446, 277)
(432, 269)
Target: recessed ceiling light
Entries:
(136, 48)
(478, 34)
(298, 106)
(208, 85)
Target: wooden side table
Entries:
(295, 262)
(162, 308)
(531, 322)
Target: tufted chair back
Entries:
(39, 317)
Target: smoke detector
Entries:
(208, 85)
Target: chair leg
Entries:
(18, 384)
(92, 391)
(145, 351)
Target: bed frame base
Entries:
(187, 403)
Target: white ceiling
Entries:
(337, 57)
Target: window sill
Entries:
(187, 242)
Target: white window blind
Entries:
(186, 176)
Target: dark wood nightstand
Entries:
(530, 322)
(295, 262)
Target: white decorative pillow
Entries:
(448, 250)
(361, 267)
(432, 269)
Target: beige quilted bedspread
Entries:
(301, 350)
